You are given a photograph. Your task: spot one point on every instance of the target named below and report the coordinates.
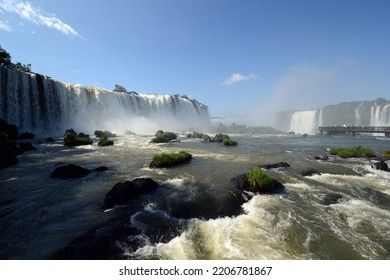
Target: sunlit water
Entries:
(40, 215)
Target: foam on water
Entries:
(362, 225)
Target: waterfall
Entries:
(40, 104)
(358, 117)
(380, 115)
(304, 122)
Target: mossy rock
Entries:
(219, 138)
(386, 153)
(257, 181)
(169, 160)
(229, 142)
(100, 133)
(352, 152)
(103, 141)
(72, 139)
(163, 137)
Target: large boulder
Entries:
(380, 165)
(8, 153)
(69, 171)
(123, 192)
(274, 165)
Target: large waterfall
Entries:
(304, 122)
(40, 104)
(380, 115)
(363, 113)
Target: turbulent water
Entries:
(40, 215)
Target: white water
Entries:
(304, 122)
(380, 115)
(42, 105)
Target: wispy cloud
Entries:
(235, 78)
(5, 26)
(26, 11)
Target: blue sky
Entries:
(237, 57)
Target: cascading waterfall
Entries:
(304, 122)
(40, 104)
(380, 115)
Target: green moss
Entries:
(164, 137)
(386, 153)
(103, 141)
(171, 159)
(350, 152)
(259, 180)
(100, 133)
(229, 142)
(72, 139)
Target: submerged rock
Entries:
(101, 168)
(123, 192)
(321, 157)
(380, 165)
(310, 172)
(331, 198)
(274, 165)
(69, 171)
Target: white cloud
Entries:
(26, 11)
(235, 78)
(5, 26)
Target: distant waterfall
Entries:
(380, 115)
(37, 103)
(304, 122)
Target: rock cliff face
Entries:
(368, 113)
(38, 103)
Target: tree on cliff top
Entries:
(119, 88)
(5, 57)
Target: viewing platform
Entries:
(332, 130)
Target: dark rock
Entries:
(241, 182)
(331, 198)
(98, 244)
(26, 135)
(101, 168)
(8, 131)
(321, 157)
(310, 172)
(26, 146)
(122, 193)
(50, 140)
(274, 165)
(8, 153)
(70, 171)
(380, 165)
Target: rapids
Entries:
(40, 215)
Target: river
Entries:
(40, 215)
